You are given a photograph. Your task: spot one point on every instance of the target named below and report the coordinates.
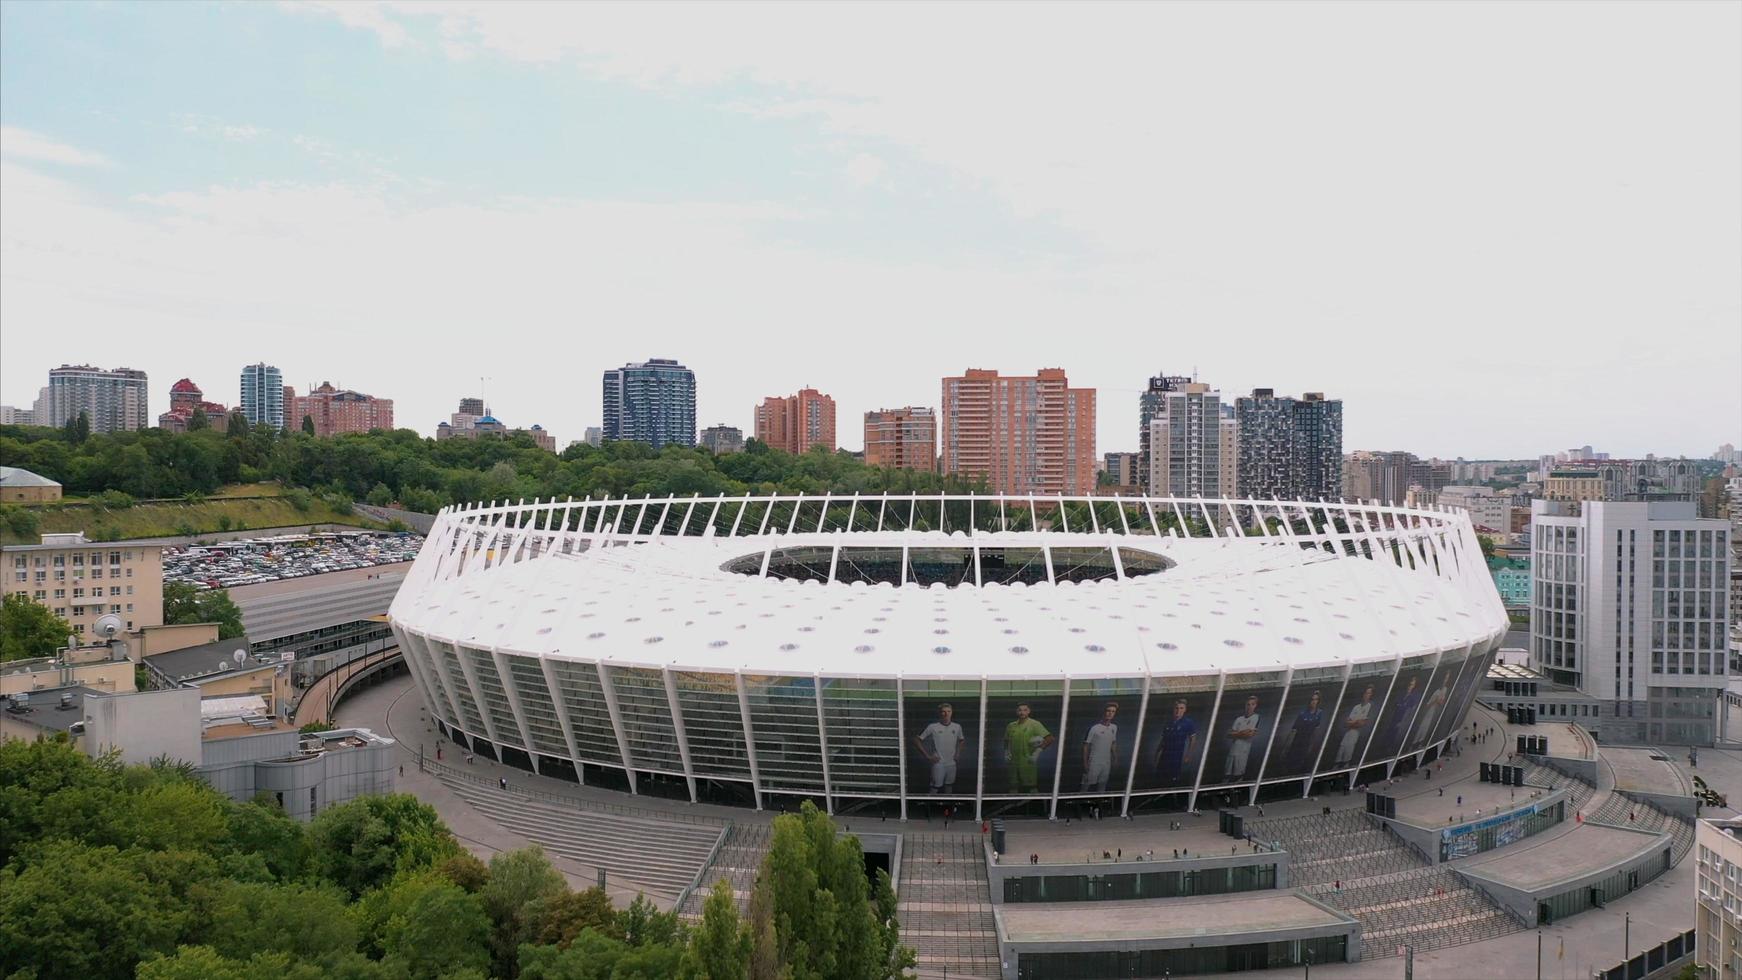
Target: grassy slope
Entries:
(162, 520)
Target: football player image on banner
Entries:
(1355, 722)
(1100, 736)
(1174, 735)
(1100, 750)
(940, 745)
(1243, 727)
(1306, 722)
(1021, 754)
(1406, 696)
(1434, 702)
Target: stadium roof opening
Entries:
(948, 566)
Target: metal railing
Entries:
(1656, 958)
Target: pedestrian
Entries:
(1442, 791)
(503, 780)
(1460, 799)
(438, 753)
(402, 769)
(1176, 854)
(1121, 853)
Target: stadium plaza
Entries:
(498, 571)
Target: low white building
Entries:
(1718, 897)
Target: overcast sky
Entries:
(1493, 230)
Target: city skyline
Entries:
(1492, 317)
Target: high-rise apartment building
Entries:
(1185, 443)
(652, 402)
(336, 411)
(902, 438)
(263, 396)
(1630, 608)
(797, 422)
(1718, 897)
(1290, 448)
(1149, 403)
(719, 439)
(1121, 470)
(1228, 436)
(113, 401)
(1031, 434)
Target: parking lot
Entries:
(255, 560)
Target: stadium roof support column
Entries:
(1058, 758)
(562, 717)
(749, 734)
(1137, 749)
(823, 514)
(1270, 743)
(980, 767)
(900, 735)
(683, 742)
(610, 691)
(1215, 709)
(823, 742)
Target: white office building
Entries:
(1629, 606)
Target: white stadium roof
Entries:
(498, 579)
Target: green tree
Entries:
(183, 603)
(720, 947)
(78, 911)
(442, 931)
(556, 920)
(643, 924)
(825, 922)
(197, 420)
(380, 495)
(78, 430)
(29, 629)
(305, 921)
(206, 963)
(237, 426)
(361, 844)
(21, 521)
(517, 879)
(308, 425)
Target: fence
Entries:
(1656, 958)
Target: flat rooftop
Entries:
(43, 708)
(1193, 919)
(1083, 840)
(1637, 771)
(1533, 867)
(1431, 810)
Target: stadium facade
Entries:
(898, 654)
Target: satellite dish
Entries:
(240, 656)
(109, 626)
(223, 664)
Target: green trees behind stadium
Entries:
(425, 475)
(121, 871)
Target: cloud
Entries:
(22, 144)
(865, 170)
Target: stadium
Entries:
(984, 655)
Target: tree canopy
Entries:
(425, 475)
(109, 870)
(29, 629)
(183, 603)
